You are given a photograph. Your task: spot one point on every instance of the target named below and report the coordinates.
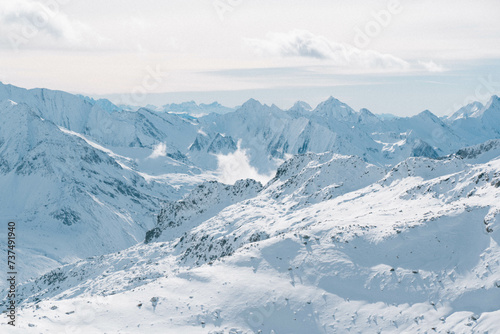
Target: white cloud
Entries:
(159, 150)
(302, 43)
(28, 23)
(297, 43)
(236, 166)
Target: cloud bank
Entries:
(304, 44)
(27, 23)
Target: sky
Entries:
(395, 56)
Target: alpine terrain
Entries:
(190, 218)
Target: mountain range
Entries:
(336, 220)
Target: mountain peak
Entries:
(332, 102)
(331, 98)
(494, 102)
(333, 108)
(367, 117)
(300, 106)
(427, 113)
(251, 104)
(470, 110)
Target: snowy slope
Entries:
(312, 178)
(413, 252)
(71, 199)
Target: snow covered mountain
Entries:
(279, 134)
(415, 251)
(367, 223)
(67, 190)
(109, 126)
(479, 124)
(471, 110)
(334, 126)
(267, 134)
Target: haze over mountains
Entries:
(354, 221)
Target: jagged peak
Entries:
(332, 99)
(251, 104)
(366, 116)
(470, 110)
(300, 106)
(428, 114)
(494, 102)
(339, 108)
(222, 143)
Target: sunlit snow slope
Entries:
(411, 250)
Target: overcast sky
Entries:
(396, 57)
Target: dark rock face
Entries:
(206, 197)
(422, 149)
